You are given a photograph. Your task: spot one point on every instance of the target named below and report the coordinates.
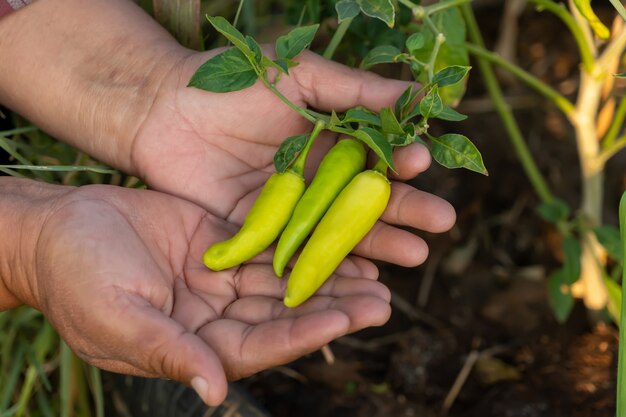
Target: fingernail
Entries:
(201, 387)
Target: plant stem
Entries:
(302, 112)
(440, 39)
(431, 25)
(513, 130)
(613, 51)
(590, 94)
(381, 166)
(337, 37)
(616, 124)
(595, 294)
(559, 100)
(619, 7)
(621, 372)
(238, 13)
(584, 26)
(608, 152)
(298, 164)
(561, 12)
(444, 4)
(409, 4)
(421, 11)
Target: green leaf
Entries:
(256, 50)
(608, 236)
(229, 71)
(571, 265)
(379, 9)
(554, 212)
(334, 119)
(620, 75)
(407, 138)
(584, 7)
(288, 151)
(62, 168)
(622, 223)
(231, 33)
(404, 102)
(347, 9)
(389, 122)
(560, 296)
(381, 55)
(431, 105)
(452, 52)
(415, 42)
(281, 64)
(377, 142)
(36, 363)
(614, 305)
(450, 75)
(451, 115)
(361, 115)
(457, 151)
(290, 45)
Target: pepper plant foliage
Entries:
(440, 84)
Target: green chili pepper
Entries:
(353, 213)
(264, 222)
(344, 160)
(267, 217)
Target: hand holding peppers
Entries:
(348, 203)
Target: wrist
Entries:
(24, 205)
(88, 75)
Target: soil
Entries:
(487, 308)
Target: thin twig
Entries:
(464, 373)
(285, 370)
(374, 345)
(470, 361)
(411, 312)
(428, 278)
(328, 354)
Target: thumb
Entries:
(165, 348)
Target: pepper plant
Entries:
(587, 243)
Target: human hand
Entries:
(120, 95)
(217, 149)
(118, 273)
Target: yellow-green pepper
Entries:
(264, 222)
(351, 216)
(342, 162)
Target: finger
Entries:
(418, 209)
(410, 161)
(246, 349)
(159, 345)
(257, 310)
(259, 280)
(352, 266)
(327, 85)
(390, 244)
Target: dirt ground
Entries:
(477, 312)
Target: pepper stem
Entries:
(298, 164)
(381, 167)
